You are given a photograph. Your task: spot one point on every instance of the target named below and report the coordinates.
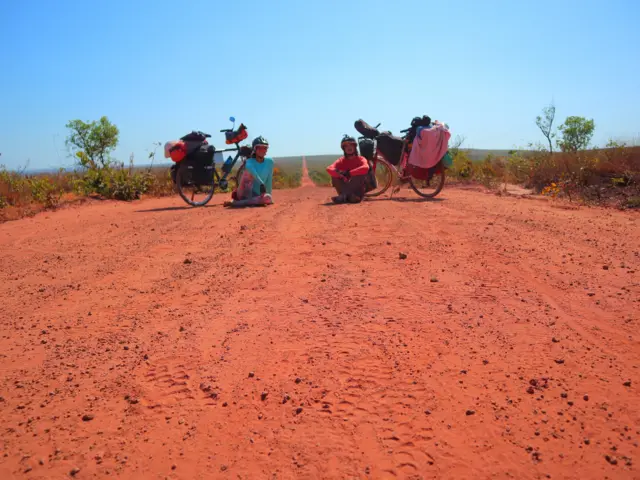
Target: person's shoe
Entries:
(339, 199)
(353, 199)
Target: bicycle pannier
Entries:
(447, 160)
(201, 165)
(366, 147)
(424, 173)
(390, 147)
(370, 181)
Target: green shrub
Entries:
(114, 183)
(45, 191)
(462, 167)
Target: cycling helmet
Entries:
(259, 141)
(346, 140)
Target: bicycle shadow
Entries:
(173, 209)
(405, 199)
(387, 199)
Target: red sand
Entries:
(293, 342)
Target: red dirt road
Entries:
(153, 340)
(306, 180)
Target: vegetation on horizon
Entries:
(608, 175)
(599, 175)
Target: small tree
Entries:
(92, 142)
(454, 147)
(545, 123)
(576, 134)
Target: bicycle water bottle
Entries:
(226, 168)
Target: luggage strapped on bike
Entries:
(200, 165)
(365, 129)
(236, 136)
(391, 147)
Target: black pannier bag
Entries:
(193, 141)
(390, 147)
(366, 147)
(370, 181)
(194, 137)
(365, 129)
(200, 165)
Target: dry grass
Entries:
(24, 195)
(607, 176)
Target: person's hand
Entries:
(263, 189)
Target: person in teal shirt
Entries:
(255, 186)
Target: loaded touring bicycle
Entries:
(194, 172)
(388, 155)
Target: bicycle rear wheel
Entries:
(384, 177)
(431, 187)
(191, 189)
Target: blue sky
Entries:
(300, 73)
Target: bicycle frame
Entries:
(398, 171)
(401, 173)
(223, 179)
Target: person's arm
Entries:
(335, 169)
(269, 178)
(361, 169)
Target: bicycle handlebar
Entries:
(241, 127)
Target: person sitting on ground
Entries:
(255, 186)
(348, 173)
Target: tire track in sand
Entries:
(296, 341)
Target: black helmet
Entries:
(259, 141)
(346, 140)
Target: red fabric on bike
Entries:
(178, 151)
(354, 164)
(420, 173)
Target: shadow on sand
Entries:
(387, 199)
(171, 209)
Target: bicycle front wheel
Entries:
(431, 187)
(195, 185)
(384, 177)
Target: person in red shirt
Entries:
(348, 173)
